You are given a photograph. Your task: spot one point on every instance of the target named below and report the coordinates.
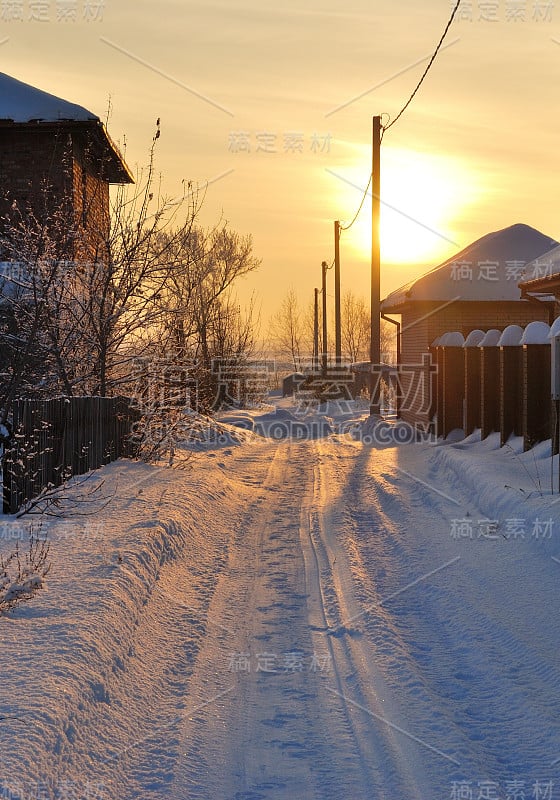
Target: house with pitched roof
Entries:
(478, 288)
(56, 158)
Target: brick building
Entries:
(56, 163)
(477, 288)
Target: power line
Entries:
(403, 109)
(357, 214)
(431, 61)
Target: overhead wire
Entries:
(421, 81)
(357, 214)
(403, 109)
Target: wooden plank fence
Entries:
(510, 391)
(53, 440)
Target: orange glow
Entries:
(422, 197)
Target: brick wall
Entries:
(35, 169)
(424, 322)
(48, 170)
(91, 204)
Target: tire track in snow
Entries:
(390, 767)
(389, 518)
(369, 519)
(267, 737)
(451, 647)
(331, 558)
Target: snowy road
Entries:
(282, 658)
(313, 627)
(357, 650)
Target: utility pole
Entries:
(324, 267)
(375, 341)
(337, 320)
(316, 332)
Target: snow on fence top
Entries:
(491, 338)
(511, 337)
(536, 333)
(474, 338)
(22, 103)
(452, 339)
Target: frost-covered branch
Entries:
(23, 574)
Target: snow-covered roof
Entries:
(22, 103)
(489, 269)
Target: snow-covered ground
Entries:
(315, 612)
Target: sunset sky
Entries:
(232, 80)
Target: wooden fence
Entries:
(503, 389)
(53, 440)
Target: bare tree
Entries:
(97, 312)
(287, 330)
(356, 330)
(355, 327)
(122, 297)
(78, 321)
(226, 257)
(201, 320)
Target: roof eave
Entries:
(544, 285)
(122, 167)
(404, 304)
(117, 170)
(394, 308)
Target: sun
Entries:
(422, 197)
